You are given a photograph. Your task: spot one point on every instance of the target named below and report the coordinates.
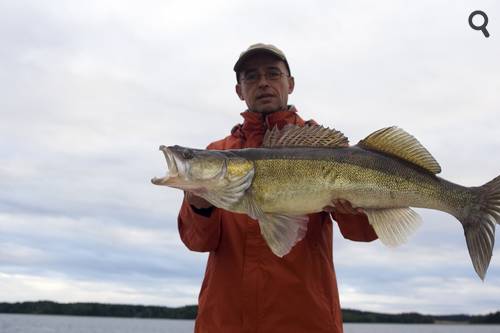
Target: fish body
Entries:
(303, 180)
(300, 170)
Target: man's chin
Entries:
(267, 108)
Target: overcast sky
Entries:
(90, 89)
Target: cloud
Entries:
(90, 91)
(434, 261)
(27, 287)
(425, 294)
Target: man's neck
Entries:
(286, 108)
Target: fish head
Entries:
(190, 168)
(201, 171)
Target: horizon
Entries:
(189, 305)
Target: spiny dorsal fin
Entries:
(304, 136)
(397, 142)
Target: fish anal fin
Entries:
(304, 136)
(393, 226)
(395, 141)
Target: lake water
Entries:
(17, 323)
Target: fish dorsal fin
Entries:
(397, 142)
(304, 136)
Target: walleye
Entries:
(300, 170)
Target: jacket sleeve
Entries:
(199, 232)
(355, 227)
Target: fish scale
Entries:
(279, 179)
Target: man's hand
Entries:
(342, 207)
(196, 201)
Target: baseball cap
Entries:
(260, 48)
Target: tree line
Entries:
(99, 310)
(190, 311)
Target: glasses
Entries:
(254, 77)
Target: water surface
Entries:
(19, 323)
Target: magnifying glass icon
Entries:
(481, 27)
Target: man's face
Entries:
(265, 94)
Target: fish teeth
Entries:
(171, 163)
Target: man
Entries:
(246, 287)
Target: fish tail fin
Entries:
(479, 219)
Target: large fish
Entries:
(300, 170)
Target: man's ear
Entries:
(291, 84)
(238, 91)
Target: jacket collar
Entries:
(260, 122)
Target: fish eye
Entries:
(187, 154)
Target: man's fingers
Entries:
(197, 201)
(329, 209)
(343, 207)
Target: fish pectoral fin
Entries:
(394, 225)
(227, 195)
(282, 232)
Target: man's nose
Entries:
(262, 81)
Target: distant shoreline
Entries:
(189, 312)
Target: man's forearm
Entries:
(199, 228)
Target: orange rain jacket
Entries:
(246, 287)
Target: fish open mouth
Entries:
(172, 169)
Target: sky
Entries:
(90, 89)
